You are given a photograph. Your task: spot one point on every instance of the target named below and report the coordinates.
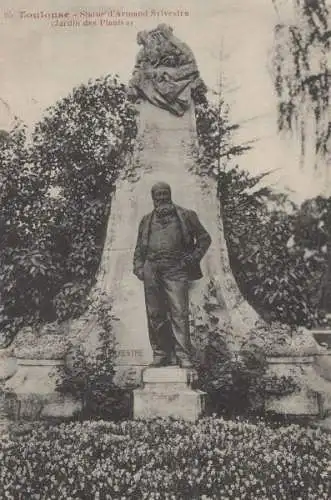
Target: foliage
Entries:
(277, 249)
(232, 379)
(281, 340)
(230, 370)
(83, 141)
(24, 269)
(234, 371)
(164, 459)
(215, 133)
(57, 196)
(281, 386)
(301, 72)
(91, 378)
(95, 127)
(56, 200)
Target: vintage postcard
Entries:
(165, 265)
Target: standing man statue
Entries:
(171, 242)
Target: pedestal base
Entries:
(32, 393)
(169, 392)
(303, 401)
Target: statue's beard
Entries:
(165, 209)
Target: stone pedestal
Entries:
(169, 392)
(303, 401)
(8, 367)
(323, 368)
(323, 337)
(34, 394)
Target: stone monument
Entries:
(165, 88)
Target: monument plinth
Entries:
(169, 392)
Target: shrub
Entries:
(232, 379)
(25, 267)
(90, 378)
(233, 370)
(278, 266)
(166, 459)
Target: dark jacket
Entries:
(196, 240)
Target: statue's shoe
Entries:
(159, 362)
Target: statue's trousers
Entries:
(167, 305)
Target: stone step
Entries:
(169, 375)
(169, 392)
(181, 404)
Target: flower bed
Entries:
(167, 460)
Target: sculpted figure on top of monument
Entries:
(166, 73)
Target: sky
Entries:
(231, 40)
(41, 63)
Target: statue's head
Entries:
(161, 194)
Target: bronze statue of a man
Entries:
(171, 242)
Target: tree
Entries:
(276, 252)
(56, 202)
(302, 81)
(302, 75)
